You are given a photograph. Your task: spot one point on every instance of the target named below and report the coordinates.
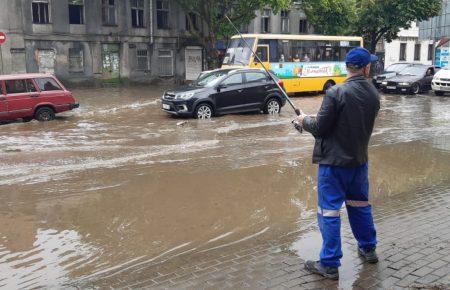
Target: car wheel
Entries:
(328, 85)
(272, 106)
(27, 119)
(438, 93)
(203, 111)
(415, 89)
(44, 114)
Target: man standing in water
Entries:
(342, 129)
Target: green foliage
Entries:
(331, 17)
(373, 19)
(212, 12)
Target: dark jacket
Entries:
(344, 123)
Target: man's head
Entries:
(358, 61)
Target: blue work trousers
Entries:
(337, 185)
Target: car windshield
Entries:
(397, 67)
(210, 78)
(238, 53)
(414, 71)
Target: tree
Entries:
(377, 19)
(212, 15)
(330, 17)
(372, 19)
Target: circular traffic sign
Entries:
(2, 37)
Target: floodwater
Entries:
(118, 185)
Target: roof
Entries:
(24, 76)
(301, 37)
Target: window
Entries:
(417, 47)
(262, 52)
(303, 26)
(265, 21)
(162, 14)
(19, 86)
(40, 11)
(47, 84)
(255, 77)
(76, 15)
(165, 58)
(137, 13)
(142, 59)
(284, 21)
(402, 51)
(76, 60)
(233, 80)
(109, 12)
(194, 21)
(430, 51)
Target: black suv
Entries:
(225, 91)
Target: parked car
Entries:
(225, 91)
(389, 72)
(441, 81)
(413, 79)
(33, 96)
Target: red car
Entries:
(33, 96)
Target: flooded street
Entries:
(111, 189)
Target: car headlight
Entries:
(185, 96)
(404, 84)
(384, 83)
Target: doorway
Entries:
(111, 62)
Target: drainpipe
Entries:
(151, 21)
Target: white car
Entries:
(441, 81)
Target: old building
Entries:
(98, 41)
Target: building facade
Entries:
(408, 48)
(97, 41)
(437, 31)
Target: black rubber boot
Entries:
(317, 268)
(369, 255)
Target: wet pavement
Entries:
(117, 194)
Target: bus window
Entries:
(238, 53)
(273, 48)
(262, 53)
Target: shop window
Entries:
(40, 10)
(165, 58)
(265, 21)
(76, 11)
(137, 13)
(142, 59)
(109, 12)
(76, 60)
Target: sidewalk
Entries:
(414, 252)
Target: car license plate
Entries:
(391, 88)
(166, 107)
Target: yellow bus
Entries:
(305, 63)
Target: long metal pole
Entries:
(297, 110)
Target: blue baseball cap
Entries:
(359, 57)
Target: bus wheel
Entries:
(328, 85)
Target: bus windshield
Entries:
(238, 53)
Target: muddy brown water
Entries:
(117, 185)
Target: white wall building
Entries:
(408, 48)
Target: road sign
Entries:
(2, 38)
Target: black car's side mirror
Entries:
(221, 87)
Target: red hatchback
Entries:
(33, 96)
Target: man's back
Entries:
(345, 123)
